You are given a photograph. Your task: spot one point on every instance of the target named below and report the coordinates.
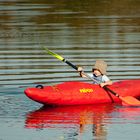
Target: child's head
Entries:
(96, 72)
(100, 68)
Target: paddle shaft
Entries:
(70, 64)
(114, 93)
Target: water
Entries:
(81, 31)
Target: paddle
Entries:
(128, 100)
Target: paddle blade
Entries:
(54, 54)
(130, 101)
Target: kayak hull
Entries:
(78, 93)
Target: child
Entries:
(99, 73)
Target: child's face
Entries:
(97, 72)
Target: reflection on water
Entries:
(81, 31)
(78, 119)
(81, 119)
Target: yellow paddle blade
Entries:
(54, 54)
(129, 100)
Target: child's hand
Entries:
(80, 69)
(106, 83)
(102, 84)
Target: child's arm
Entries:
(106, 82)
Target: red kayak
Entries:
(77, 93)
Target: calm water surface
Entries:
(81, 31)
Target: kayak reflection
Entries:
(79, 117)
(85, 118)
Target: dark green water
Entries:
(81, 31)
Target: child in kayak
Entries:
(99, 73)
